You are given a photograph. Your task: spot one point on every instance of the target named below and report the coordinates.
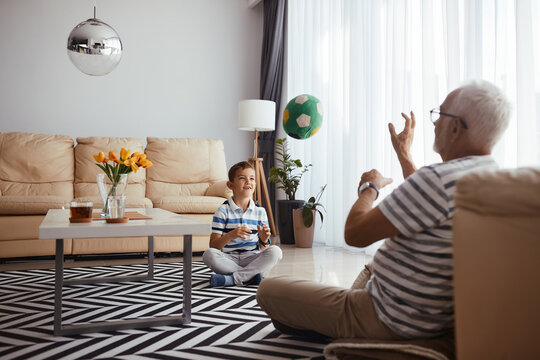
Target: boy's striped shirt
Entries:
(229, 216)
(412, 286)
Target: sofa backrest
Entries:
(183, 166)
(36, 165)
(85, 184)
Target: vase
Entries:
(285, 219)
(110, 188)
(303, 236)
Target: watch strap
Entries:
(368, 185)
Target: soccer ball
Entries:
(302, 117)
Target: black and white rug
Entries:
(226, 323)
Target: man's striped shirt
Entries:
(229, 216)
(412, 286)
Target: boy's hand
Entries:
(264, 232)
(242, 232)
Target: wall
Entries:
(185, 66)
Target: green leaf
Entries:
(307, 216)
(322, 217)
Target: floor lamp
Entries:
(258, 115)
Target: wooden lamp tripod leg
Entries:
(260, 178)
(267, 198)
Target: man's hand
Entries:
(402, 143)
(242, 232)
(264, 232)
(365, 224)
(374, 177)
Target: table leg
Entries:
(187, 255)
(103, 326)
(58, 285)
(150, 258)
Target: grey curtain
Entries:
(272, 57)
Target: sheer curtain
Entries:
(368, 61)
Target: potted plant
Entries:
(304, 220)
(287, 176)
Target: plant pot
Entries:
(303, 236)
(285, 219)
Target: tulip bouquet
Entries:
(117, 168)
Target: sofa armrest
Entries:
(500, 192)
(442, 348)
(496, 249)
(219, 189)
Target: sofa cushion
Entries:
(189, 204)
(131, 201)
(160, 189)
(15, 227)
(194, 163)
(86, 168)
(30, 205)
(36, 164)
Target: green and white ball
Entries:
(302, 117)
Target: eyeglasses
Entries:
(435, 115)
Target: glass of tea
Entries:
(79, 211)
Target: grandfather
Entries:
(408, 292)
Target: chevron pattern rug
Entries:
(226, 323)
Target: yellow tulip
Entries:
(100, 157)
(124, 154)
(145, 163)
(113, 157)
(133, 164)
(135, 156)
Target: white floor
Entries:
(329, 265)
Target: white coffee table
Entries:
(56, 225)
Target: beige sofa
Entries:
(497, 265)
(40, 172)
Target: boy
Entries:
(240, 248)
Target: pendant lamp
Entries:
(94, 47)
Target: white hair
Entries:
(485, 110)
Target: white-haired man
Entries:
(408, 291)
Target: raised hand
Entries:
(375, 177)
(402, 143)
(264, 232)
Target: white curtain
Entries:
(368, 61)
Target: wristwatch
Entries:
(367, 185)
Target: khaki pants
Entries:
(332, 311)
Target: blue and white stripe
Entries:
(229, 216)
(412, 286)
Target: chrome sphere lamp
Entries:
(94, 47)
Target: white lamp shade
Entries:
(256, 115)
